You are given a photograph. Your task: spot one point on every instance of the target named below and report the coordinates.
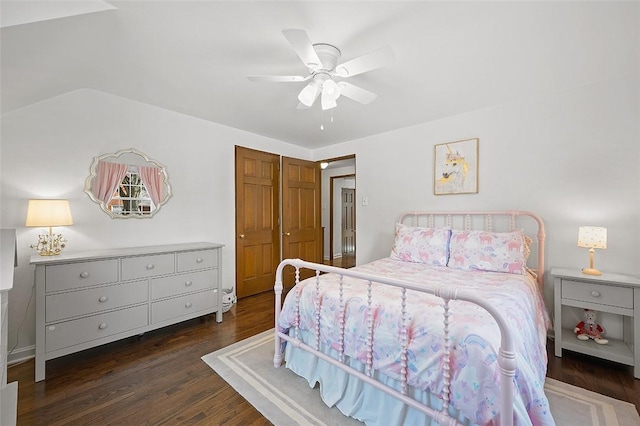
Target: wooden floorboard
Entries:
(159, 379)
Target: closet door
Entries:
(257, 221)
(301, 213)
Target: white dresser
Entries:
(86, 299)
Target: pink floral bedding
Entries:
(475, 337)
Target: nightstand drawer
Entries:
(603, 294)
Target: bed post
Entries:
(277, 357)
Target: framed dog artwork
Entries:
(456, 167)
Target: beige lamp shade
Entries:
(49, 213)
(592, 237)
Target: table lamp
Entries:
(49, 213)
(592, 237)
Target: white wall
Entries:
(47, 150)
(572, 157)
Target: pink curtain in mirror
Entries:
(108, 177)
(152, 179)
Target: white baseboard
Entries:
(21, 354)
(335, 256)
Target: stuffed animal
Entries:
(590, 329)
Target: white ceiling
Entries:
(193, 57)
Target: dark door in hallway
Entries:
(348, 227)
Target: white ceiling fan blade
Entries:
(303, 47)
(356, 93)
(278, 78)
(367, 62)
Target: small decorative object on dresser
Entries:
(612, 293)
(91, 298)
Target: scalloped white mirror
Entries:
(128, 184)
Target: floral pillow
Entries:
(488, 251)
(421, 245)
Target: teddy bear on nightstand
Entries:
(590, 329)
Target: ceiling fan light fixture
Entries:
(328, 103)
(309, 94)
(330, 89)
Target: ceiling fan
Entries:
(321, 59)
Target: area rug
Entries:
(287, 399)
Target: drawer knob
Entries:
(151, 266)
(52, 327)
(102, 326)
(84, 274)
(103, 299)
(199, 260)
(187, 283)
(595, 293)
(188, 305)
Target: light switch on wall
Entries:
(365, 201)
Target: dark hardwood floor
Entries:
(158, 378)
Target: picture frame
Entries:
(456, 167)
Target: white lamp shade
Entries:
(49, 213)
(309, 94)
(330, 90)
(592, 237)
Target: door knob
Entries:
(287, 234)
(241, 235)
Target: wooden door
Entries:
(348, 233)
(257, 220)
(301, 214)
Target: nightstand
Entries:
(612, 293)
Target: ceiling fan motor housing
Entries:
(328, 55)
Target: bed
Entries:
(449, 329)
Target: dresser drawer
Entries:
(147, 266)
(596, 293)
(192, 260)
(183, 283)
(95, 327)
(81, 274)
(183, 305)
(93, 300)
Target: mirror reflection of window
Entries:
(128, 184)
(131, 197)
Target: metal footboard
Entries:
(506, 355)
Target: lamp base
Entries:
(49, 244)
(591, 271)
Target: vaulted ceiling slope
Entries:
(194, 57)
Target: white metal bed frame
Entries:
(506, 356)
